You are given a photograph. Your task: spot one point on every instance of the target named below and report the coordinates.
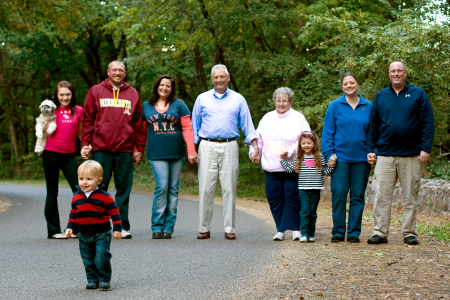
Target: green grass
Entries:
(440, 232)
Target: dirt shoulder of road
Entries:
(325, 270)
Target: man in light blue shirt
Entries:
(216, 116)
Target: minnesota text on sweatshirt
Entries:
(401, 125)
(113, 119)
(92, 214)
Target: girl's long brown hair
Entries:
(301, 153)
(73, 100)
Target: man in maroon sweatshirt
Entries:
(112, 130)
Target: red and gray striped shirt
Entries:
(92, 214)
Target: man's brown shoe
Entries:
(230, 236)
(203, 235)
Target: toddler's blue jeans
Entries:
(94, 250)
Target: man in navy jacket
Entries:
(401, 128)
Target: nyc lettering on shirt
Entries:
(164, 125)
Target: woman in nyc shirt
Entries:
(169, 136)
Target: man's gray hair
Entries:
(118, 62)
(281, 91)
(404, 67)
(218, 67)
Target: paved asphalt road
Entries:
(34, 267)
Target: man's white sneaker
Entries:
(279, 236)
(58, 236)
(311, 239)
(296, 235)
(126, 234)
(303, 239)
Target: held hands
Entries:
(371, 158)
(424, 157)
(118, 234)
(68, 233)
(193, 158)
(85, 151)
(256, 156)
(284, 154)
(137, 157)
(332, 161)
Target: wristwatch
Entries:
(255, 147)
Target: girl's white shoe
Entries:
(296, 235)
(303, 239)
(279, 236)
(311, 239)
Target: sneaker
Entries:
(58, 236)
(296, 235)
(92, 285)
(279, 236)
(353, 239)
(311, 239)
(156, 235)
(126, 234)
(104, 286)
(304, 239)
(411, 240)
(376, 239)
(167, 235)
(337, 238)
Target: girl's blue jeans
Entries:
(94, 250)
(345, 177)
(165, 199)
(309, 200)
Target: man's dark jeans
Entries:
(121, 163)
(94, 250)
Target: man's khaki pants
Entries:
(388, 169)
(217, 159)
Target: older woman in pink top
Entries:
(280, 130)
(59, 153)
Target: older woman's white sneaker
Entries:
(296, 235)
(304, 239)
(279, 236)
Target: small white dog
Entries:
(48, 115)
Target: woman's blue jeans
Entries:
(165, 199)
(94, 250)
(345, 177)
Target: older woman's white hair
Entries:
(283, 90)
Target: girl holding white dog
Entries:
(59, 153)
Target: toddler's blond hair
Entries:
(91, 166)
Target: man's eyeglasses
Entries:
(281, 102)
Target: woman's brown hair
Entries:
(301, 153)
(72, 104)
(155, 96)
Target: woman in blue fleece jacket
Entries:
(344, 134)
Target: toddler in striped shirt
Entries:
(92, 210)
(311, 167)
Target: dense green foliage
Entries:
(305, 45)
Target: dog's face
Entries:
(47, 107)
